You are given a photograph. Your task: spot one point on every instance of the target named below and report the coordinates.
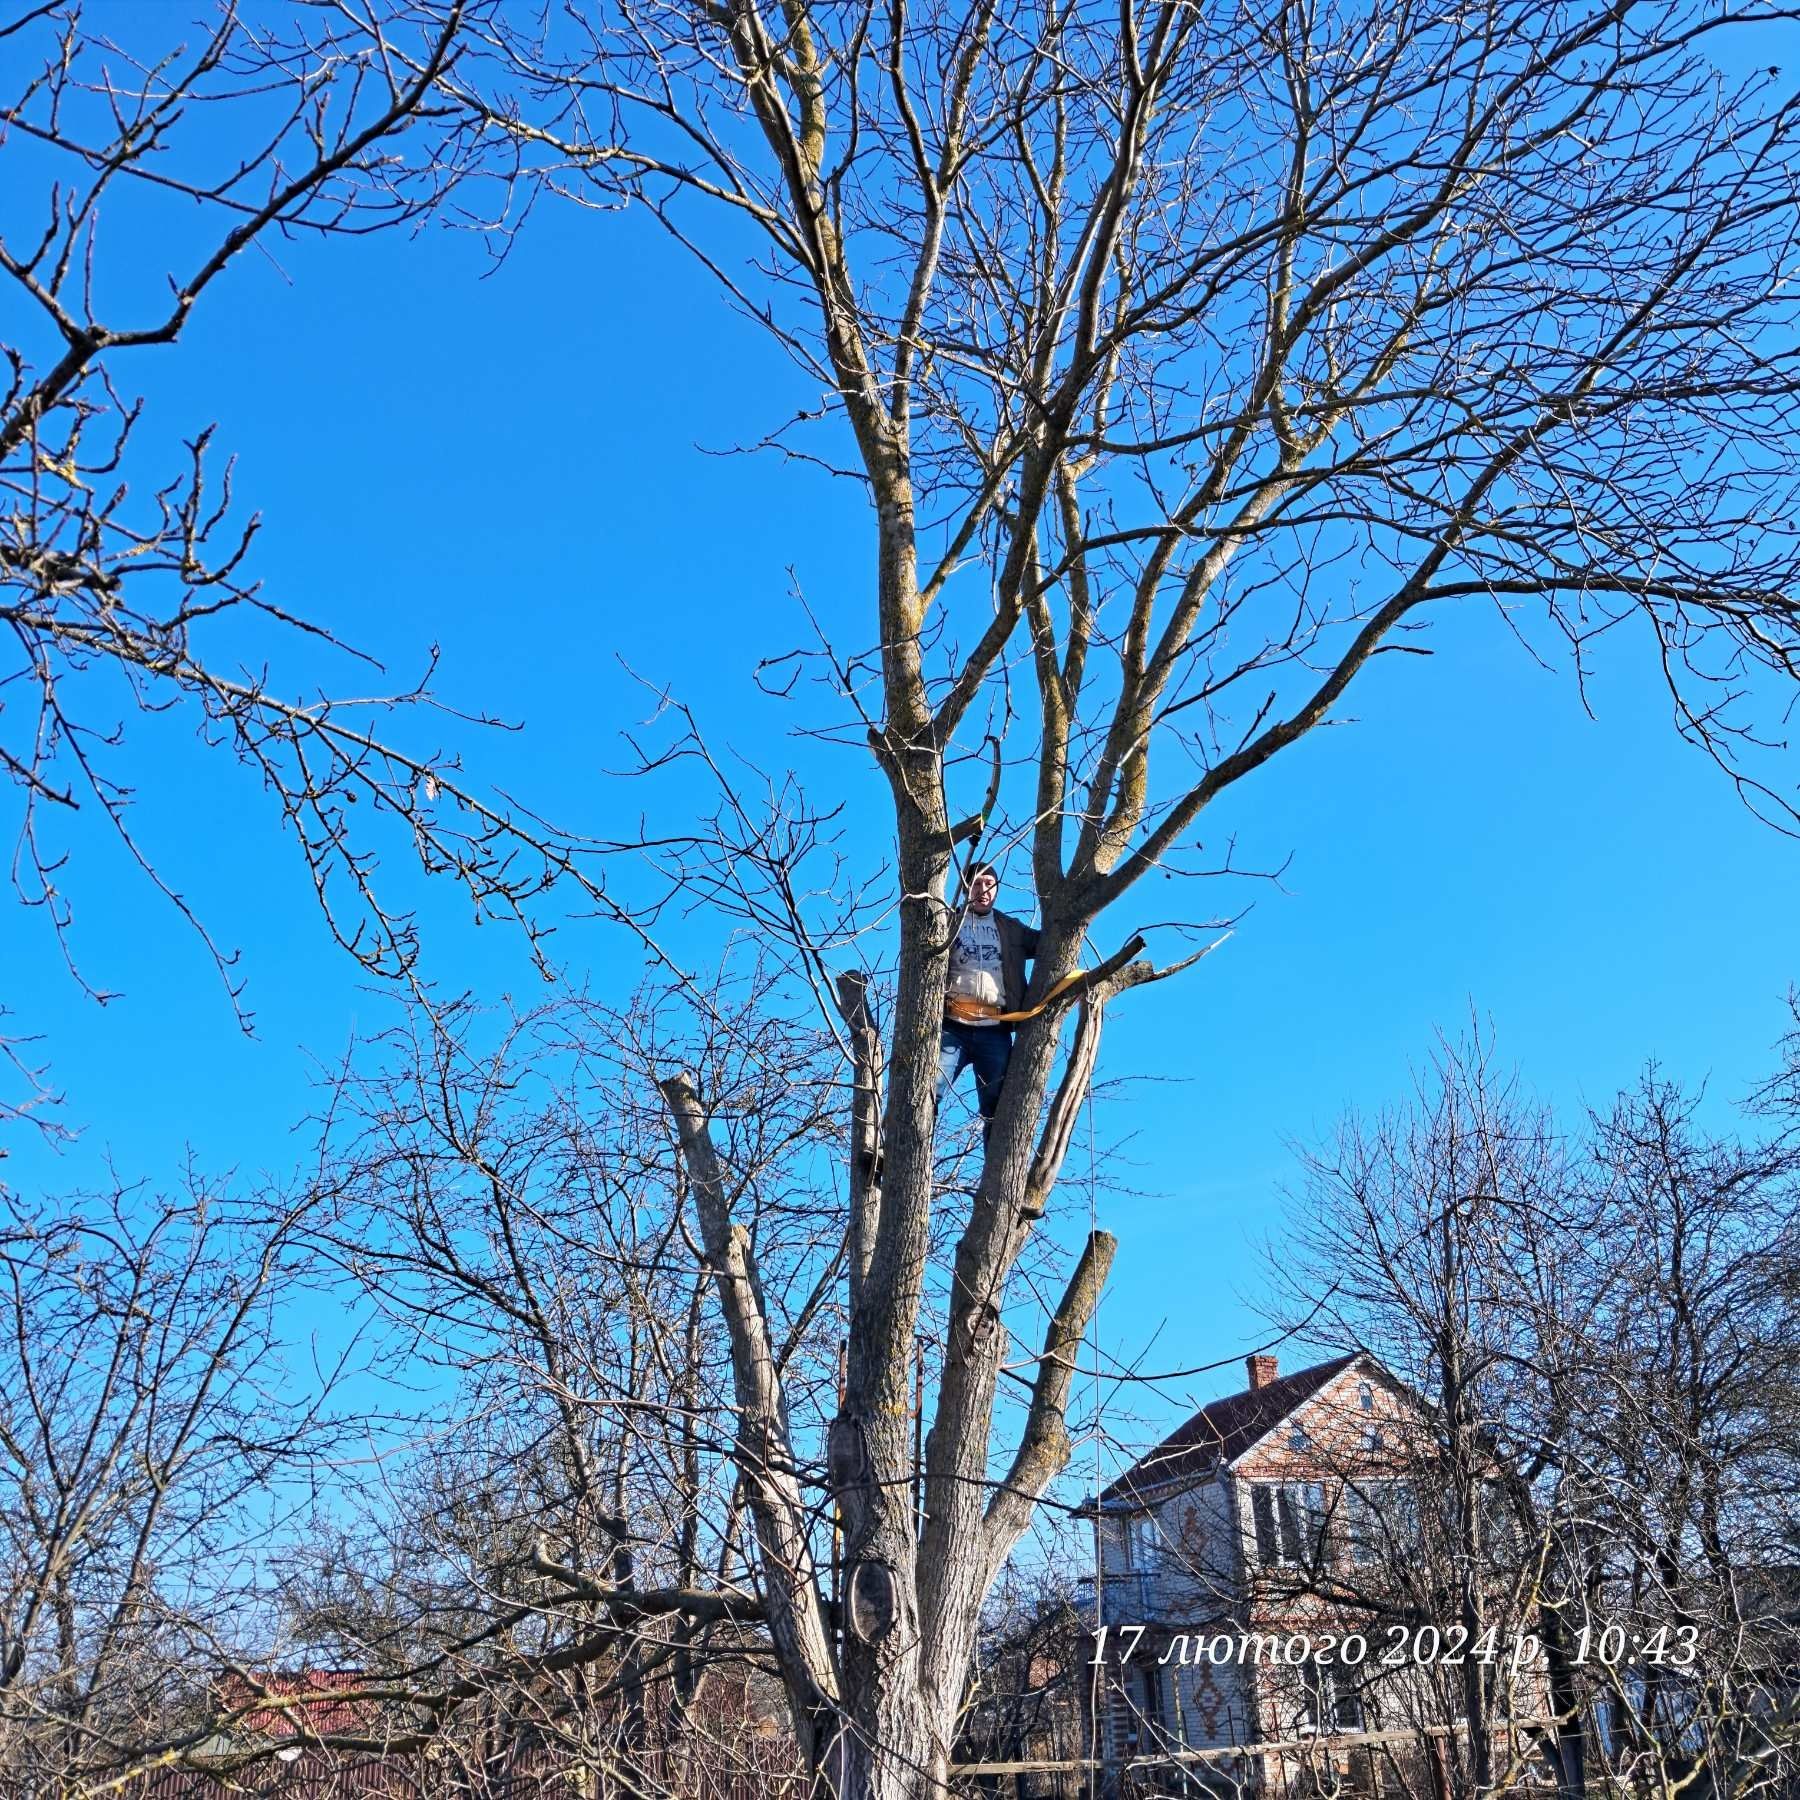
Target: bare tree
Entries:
(517, 1541)
(1446, 1236)
(127, 564)
(1189, 359)
(1694, 1445)
(1601, 1331)
(508, 1196)
(154, 1443)
(1029, 1699)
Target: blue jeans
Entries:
(988, 1047)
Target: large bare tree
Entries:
(1189, 357)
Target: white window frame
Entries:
(1143, 1541)
(1290, 1523)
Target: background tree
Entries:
(150, 1468)
(1696, 1452)
(509, 1199)
(155, 1441)
(1452, 1234)
(1030, 1699)
(1601, 1332)
(142, 170)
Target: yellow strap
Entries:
(1031, 1012)
(978, 1012)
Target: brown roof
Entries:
(1222, 1431)
(324, 1700)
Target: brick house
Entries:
(1235, 1530)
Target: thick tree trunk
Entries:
(893, 1746)
(886, 1692)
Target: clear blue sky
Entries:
(513, 468)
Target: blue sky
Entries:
(513, 465)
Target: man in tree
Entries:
(986, 981)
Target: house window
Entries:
(1362, 1526)
(1299, 1438)
(1380, 1520)
(1136, 1711)
(1289, 1517)
(1365, 1397)
(1330, 1699)
(1401, 1506)
(1152, 1702)
(1142, 1540)
(1372, 1437)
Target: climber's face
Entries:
(983, 891)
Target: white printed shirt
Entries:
(975, 960)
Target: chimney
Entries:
(1262, 1371)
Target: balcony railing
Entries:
(1126, 1598)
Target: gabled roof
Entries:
(1220, 1432)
